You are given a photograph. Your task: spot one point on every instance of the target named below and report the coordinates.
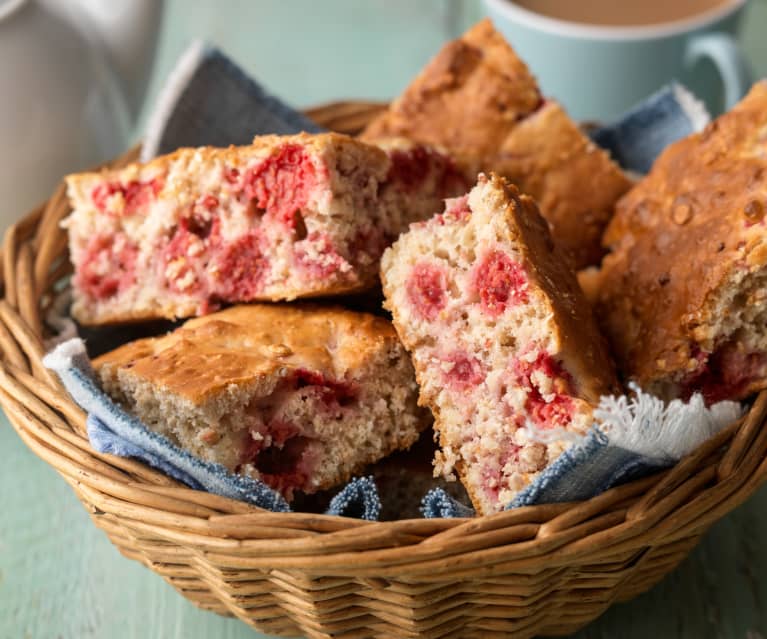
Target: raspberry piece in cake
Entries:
(683, 295)
(108, 265)
(509, 360)
(461, 371)
(298, 397)
(499, 280)
(477, 100)
(420, 178)
(287, 217)
(426, 290)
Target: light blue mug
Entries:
(597, 72)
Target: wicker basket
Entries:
(536, 570)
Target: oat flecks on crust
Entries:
(683, 295)
(301, 397)
(284, 218)
(478, 100)
(505, 348)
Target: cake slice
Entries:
(683, 295)
(298, 397)
(505, 348)
(287, 217)
(478, 100)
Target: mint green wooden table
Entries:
(59, 576)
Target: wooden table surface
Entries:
(59, 576)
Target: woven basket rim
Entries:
(673, 506)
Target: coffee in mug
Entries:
(625, 13)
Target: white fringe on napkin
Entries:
(693, 107)
(646, 425)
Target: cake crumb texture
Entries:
(506, 351)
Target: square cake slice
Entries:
(283, 218)
(299, 397)
(505, 347)
(478, 100)
(683, 295)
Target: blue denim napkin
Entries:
(207, 100)
(112, 430)
(633, 436)
(639, 135)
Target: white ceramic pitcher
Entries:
(72, 78)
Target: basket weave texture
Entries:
(547, 569)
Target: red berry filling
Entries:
(333, 393)
(426, 290)
(557, 412)
(456, 208)
(452, 181)
(181, 263)
(209, 202)
(196, 260)
(108, 266)
(463, 372)
(289, 467)
(283, 457)
(283, 183)
(101, 194)
(240, 268)
(317, 257)
(231, 174)
(284, 453)
(368, 245)
(727, 373)
(136, 195)
(411, 168)
(491, 482)
(500, 282)
(550, 405)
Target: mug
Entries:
(598, 72)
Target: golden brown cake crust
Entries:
(467, 98)
(583, 348)
(316, 142)
(477, 99)
(574, 183)
(680, 235)
(246, 343)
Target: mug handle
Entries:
(725, 53)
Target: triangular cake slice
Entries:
(505, 347)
